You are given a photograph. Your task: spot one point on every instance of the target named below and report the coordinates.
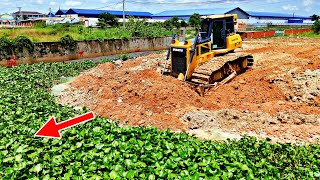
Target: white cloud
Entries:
(290, 7)
(39, 1)
(307, 2)
(52, 3)
(73, 3)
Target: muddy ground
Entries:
(278, 98)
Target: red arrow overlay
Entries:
(52, 129)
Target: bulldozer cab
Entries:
(221, 27)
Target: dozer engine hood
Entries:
(180, 53)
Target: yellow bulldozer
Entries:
(210, 59)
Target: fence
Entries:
(296, 31)
(262, 34)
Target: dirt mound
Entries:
(278, 98)
(141, 97)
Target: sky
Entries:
(299, 7)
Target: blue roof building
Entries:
(249, 17)
(246, 14)
(61, 12)
(93, 13)
(275, 15)
(185, 14)
(257, 18)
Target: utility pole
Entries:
(123, 15)
(20, 17)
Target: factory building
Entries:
(270, 18)
(185, 14)
(249, 17)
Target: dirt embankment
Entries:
(278, 98)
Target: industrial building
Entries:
(93, 13)
(249, 17)
(61, 13)
(185, 14)
(269, 18)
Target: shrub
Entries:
(141, 28)
(316, 27)
(195, 20)
(107, 19)
(172, 23)
(6, 47)
(22, 42)
(68, 42)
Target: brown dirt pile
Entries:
(141, 97)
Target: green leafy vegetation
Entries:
(173, 22)
(315, 17)
(316, 27)
(140, 28)
(191, 33)
(6, 47)
(22, 42)
(9, 47)
(53, 33)
(195, 20)
(68, 42)
(308, 35)
(277, 27)
(107, 20)
(100, 149)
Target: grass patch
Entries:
(310, 35)
(55, 32)
(276, 28)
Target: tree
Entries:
(172, 22)
(106, 19)
(315, 17)
(195, 20)
(316, 27)
(183, 23)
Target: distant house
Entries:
(4, 17)
(6, 20)
(28, 15)
(91, 15)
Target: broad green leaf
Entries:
(114, 175)
(151, 177)
(37, 168)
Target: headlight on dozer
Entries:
(187, 42)
(175, 41)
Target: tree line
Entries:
(107, 20)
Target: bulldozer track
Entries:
(216, 70)
(220, 67)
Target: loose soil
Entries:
(279, 98)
